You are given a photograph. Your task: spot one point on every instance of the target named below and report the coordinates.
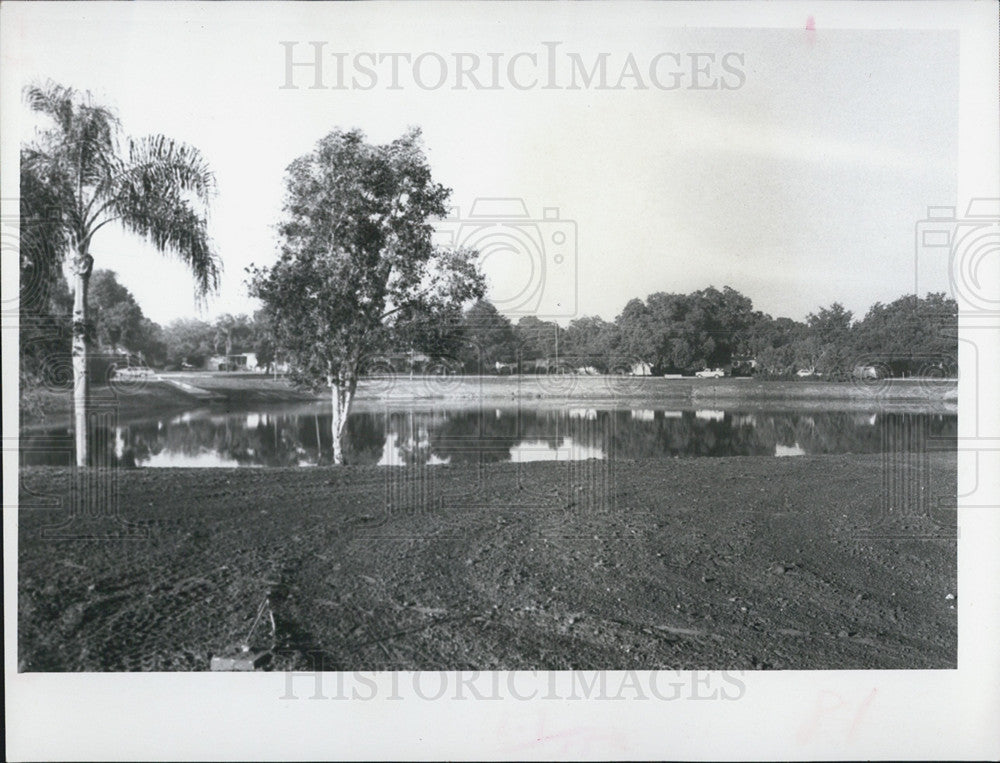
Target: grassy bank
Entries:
(170, 393)
(736, 563)
(151, 397)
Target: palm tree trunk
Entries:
(82, 266)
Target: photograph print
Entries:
(357, 338)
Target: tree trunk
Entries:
(338, 451)
(342, 389)
(82, 266)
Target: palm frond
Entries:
(77, 118)
(160, 192)
(158, 188)
(82, 139)
(53, 100)
(160, 164)
(172, 225)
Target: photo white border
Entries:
(783, 714)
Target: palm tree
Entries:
(153, 187)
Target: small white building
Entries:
(243, 361)
(642, 368)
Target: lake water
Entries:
(300, 436)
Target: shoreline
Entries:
(237, 392)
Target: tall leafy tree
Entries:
(153, 187)
(262, 339)
(828, 346)
(686, 332)
(487, 338)
(667, 331)
(537, 340)
(912, 335)
(119, 321)
(772, 344)
(592, 341)
(636, 332)
(831, 325)
(45, 303)
(189, 341)
(233, 333)
(357, 261)
(117, 317)
(730, 324)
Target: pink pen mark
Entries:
(859, 716)
(579, 738)
(810, 32)
(828, 703)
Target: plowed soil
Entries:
(724, 563)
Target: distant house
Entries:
(244, 361)
(401, 363)
(409, 362)
(539, 366)
(867, 372)
(642, 368)
(743, 365)
(505, 368)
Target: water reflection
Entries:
(301, 436)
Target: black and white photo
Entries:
(543, 372)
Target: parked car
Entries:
(710, 373)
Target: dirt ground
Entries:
(723, 563)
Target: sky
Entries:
(797, 180)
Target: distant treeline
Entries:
(684, 333)
(120, 332)
(665, 333)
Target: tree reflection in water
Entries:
(301, 437)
